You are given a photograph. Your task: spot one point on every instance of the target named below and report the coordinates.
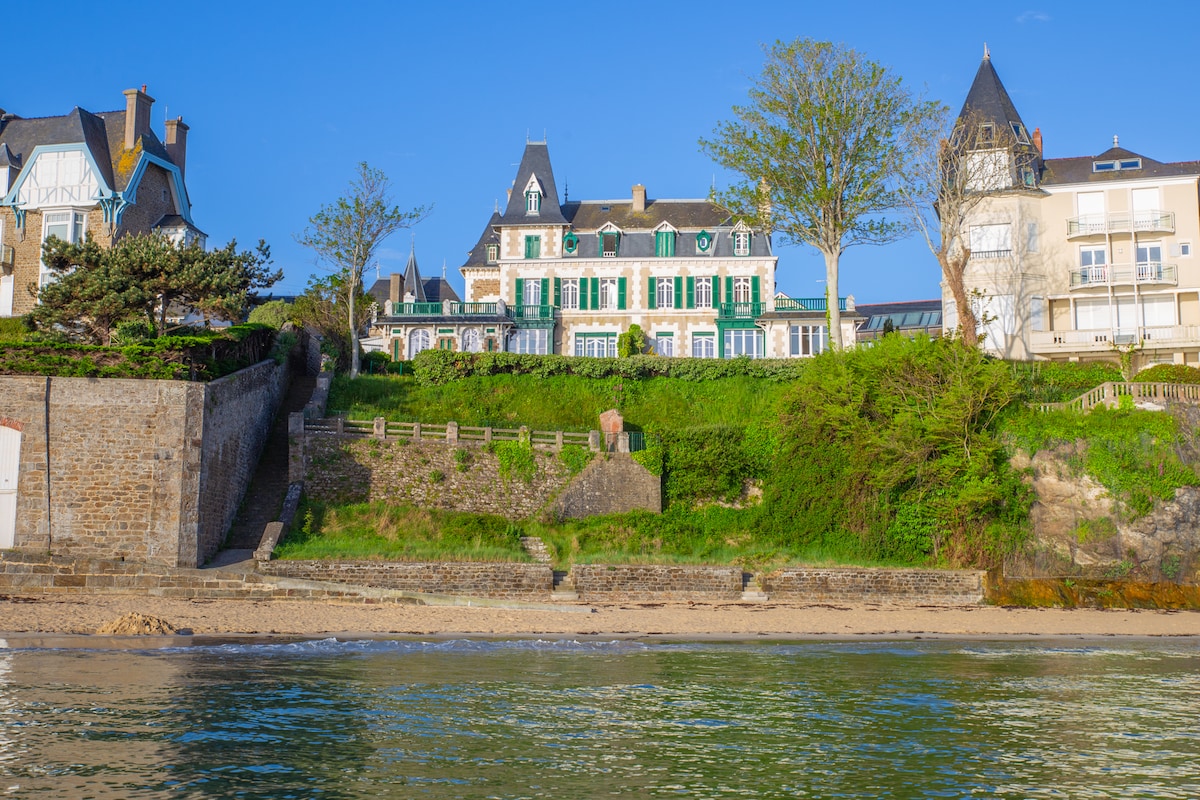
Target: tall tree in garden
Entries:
(95, 288)
(820, 147)
(346, 236)
(955, 165)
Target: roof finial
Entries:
(443, 269)
(496, 207)
(1116, 142)
(987, 54)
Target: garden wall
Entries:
(656, 582)
(343, 469)
(612, 484)
(901, 586)
(135, 469)
(477, 579)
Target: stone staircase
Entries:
(269, 485)
(564, 583)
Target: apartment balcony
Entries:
(740, 310)
(1149, 337)
(444, 309)
(806, 304)
(532, 313)
(1152, 273)
(1152, 221)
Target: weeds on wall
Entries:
(516, 460)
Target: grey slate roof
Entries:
(1079, 169)
(478, 255)
(695, 214)
(103, 134)
(412, 283)
(535, 162)
(176, 221)
(989, 99)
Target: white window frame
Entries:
(419, 341)
(472, 342)
(741, 243)
(609, 294)
(493, 253)
(806, 341)
(704, 345)
(991, 241)
(76, 230)
(743, 289)
(744, 342)
(664, 292)
(570, 294)
(664, 344)
(596, 345)
(702, 292)
(532, 292)
(533, 201)
(529, 340)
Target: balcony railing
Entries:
(1121, 222)
(530, 312)
(474, 309)
(1125, 275)
(978, 254)
(740, 310)
(806, 304)
(444, 309)
(1150, 336)
(417, 309)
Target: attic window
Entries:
(570, 242)
(987, 134)
(1114, 166)
(1019, 132)
(1130, 163)
(1104, 166)
(703, 241)
(493, 253)
(606, 208)
(608, 244)
(533, 202)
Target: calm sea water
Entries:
(557, 719)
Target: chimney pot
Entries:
(1037, 140)
(137, 115)
(176, 142)
(639, 198)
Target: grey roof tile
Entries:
(535, 162)
(1079, 169)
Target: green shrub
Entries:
(13, 329)
(437, 476)
(632, 342)
(375, 363)
(1168, 373)
(274, 313)
(1058, 382)
(133, 331)
(516, 461)
(575, 457)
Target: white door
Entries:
(6, 295)
(10, 458)
(1145, 208)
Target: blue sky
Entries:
(284, 99)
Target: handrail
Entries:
(1124, 274)
(740, 310)
(1109, 394)
(806, 304)
(1121, 222)
(530, 312)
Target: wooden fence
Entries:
(1110, 394)
(450, 433)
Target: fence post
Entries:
(339, 425)
(451, 430)
(523, 435)
(416, 431)
(380, 428)
(487, 435)
(594, 441)
(558, 441)
(623, 441)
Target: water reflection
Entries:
(553, 719)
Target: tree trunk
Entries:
(831, 299)
(968, 326)
(354, 363)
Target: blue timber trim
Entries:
(105, 189)
(130, 193)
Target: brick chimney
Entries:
(177, 142)
(1037, 140)
(137, 115)
(639, 198)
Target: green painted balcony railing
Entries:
(740, 310)
(416, 309)
(530, 312)
(806, 304)
(470, 309)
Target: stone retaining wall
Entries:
(343, 469)
(504, 580)
(651, 582)
(613, 483)
(899, 586)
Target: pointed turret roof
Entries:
(988, 98)
(412, 283)
(535, 166)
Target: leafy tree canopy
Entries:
(144, 276)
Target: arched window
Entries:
(470, 341)
(417, 341)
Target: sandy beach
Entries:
(32, 614)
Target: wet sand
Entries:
(33, 614)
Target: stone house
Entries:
(103, 174)
(568, 277)
(1080, 258)
(397, 298)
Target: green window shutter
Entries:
(691, 292)
(658, 244)
(678, 291)
(621, 294)
(545, 291)
(558, 292)
(716, 291)
(583, 294)
(754, 289)
(651, 293)
(595, 293)
(519, 300)
(728, 288)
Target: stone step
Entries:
(755, 596)
(536, 548)
(564, 597)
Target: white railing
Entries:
(1121, 222)
(1110, 394)
(1154, 336)
(1125, 275)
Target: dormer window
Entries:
(704, 241)
(1116, 165)
(1019, 132)
(987, 135)
(1104, 166)
(609, 242)
(1130, 163)
(493, 253)
(741, 243)
(533, 202)
(664, 241)
(570, 243)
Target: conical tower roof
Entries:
(412, 283)
(989, 101)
